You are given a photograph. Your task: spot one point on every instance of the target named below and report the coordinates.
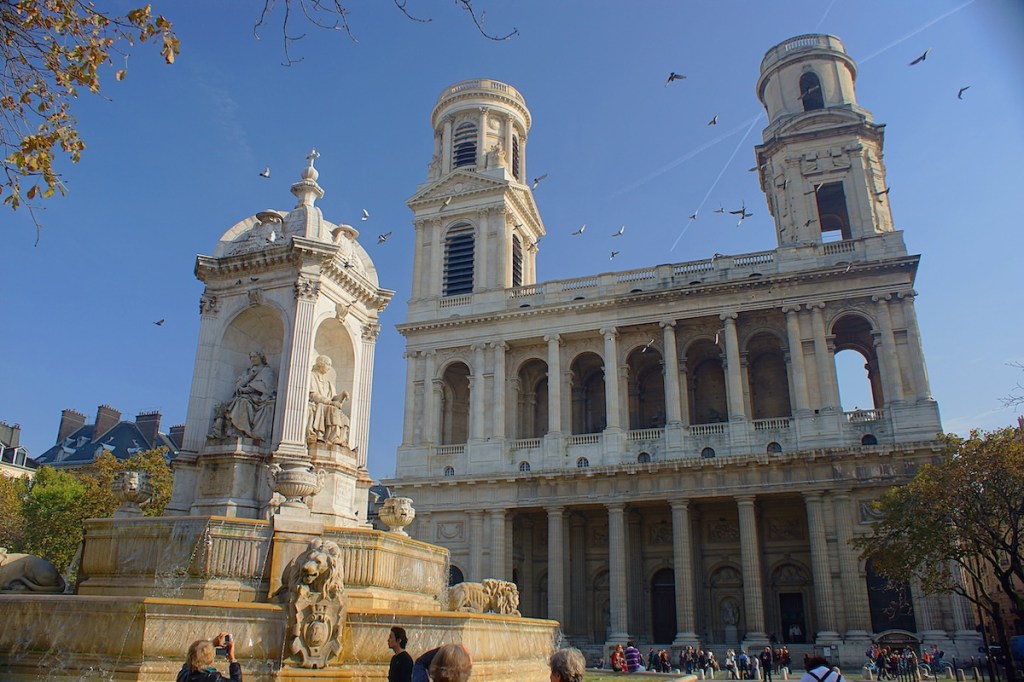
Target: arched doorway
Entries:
(663, 606)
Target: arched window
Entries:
(464, 145)
(868, 439)
(774, 448)
(707, 453)
(517, 261)
(643, 458)
(449, 471)
(582, 463)
(455, 575)
(515, 159)
(810, 91)
(524, 466)
(458, 260)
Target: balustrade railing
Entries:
(706, 429)
(449, 450)
(525, 443)
(585, 439)
(772, 424)
(830, 248)
(646, 434)
(454, 301)
(863, 416)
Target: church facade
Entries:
(661, 454)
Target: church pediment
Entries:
(457, 184)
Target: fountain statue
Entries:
(266, 536)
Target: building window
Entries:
(582, 462)
(810, 91)
(464, 145)
(643, 458)
(517, 261)
(524, 466)
(707, 453)
(449, 471)
(458, 261)
(868, 439)
(515, 159)
(774, 448)
(832, 214)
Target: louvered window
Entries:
(515, 159)
(810, 91)
(464, 146)
(517, 261)
(458, 261)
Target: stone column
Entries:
(446, 146)
(750, 557)
(634, 558)
(508, 143)
(684, 392)
(527, 588)
(796, 353)
(577, 606)
(612, 400)
(829, 386)
(682, 567)
(617, 584)
(360, 421)
(430, 388)
(500, 409)
(482, 263)
(497, 544)
(556, 564)
(476, 543)
(734, 372)
(673, 407)
(826, 611)
(481, 138)
(922, 388)
(855, 593)
(408, 420)
(436, 272)
(554, 384)
(476, 394)
(892, 374)
(296, 398)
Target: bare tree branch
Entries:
(1016, 396)
(479, 21)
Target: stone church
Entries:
(661, 454)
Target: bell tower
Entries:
(820, 163)
(477, 226)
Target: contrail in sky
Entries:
(915, 31)
(822, 20)
(719, 177)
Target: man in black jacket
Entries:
(400, 669)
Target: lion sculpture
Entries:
(28, 573)
(313, 589)
(489, 596)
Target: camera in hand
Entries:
(223, 650)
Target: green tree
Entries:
(53, 513)
(52, 50)
(12, 524)
(962, 517)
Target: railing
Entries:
(646, 434)
(636, 275)
(772, 424)
(482, 84)
(693, 267)
(528, 290)
(585, 439)
(526, 443)
(455, 301)
(863, 416)
(830, 248)
(809, 41)
(578, 283)
(762, 258)
(706, 429)
(449, 450)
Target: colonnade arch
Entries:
(532, 401)
(853, 332)
(767, 377)
(455, 388)
(708, 399)
(589, 414)
(646, 388)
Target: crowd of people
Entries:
(736, 666)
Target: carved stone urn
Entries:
(132, 489)
(397, 513)
(295, 481)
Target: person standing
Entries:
(632, 657)
(767, 663)
(400, 669)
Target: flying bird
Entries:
(254, 279)
(537, 180)
(817, 186)
(720, 209)
(618, 233)
(713, 121)
(579, 231)
(265, 173)
(381, 238)
(960, 92)
(160, 322)
(444, 205)
(673, 76)
(921, 58)
(742, 213)
(614, 254)
(809, 221)
(366, 214)
(882, 193)
(647, 345)
(693, 216)
(272, 237)
(816, 88)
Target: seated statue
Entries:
(28, 573)
(250, 412)
(327, 422)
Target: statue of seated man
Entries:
(327, 422)
(250, 412)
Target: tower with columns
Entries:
(662, 454)
(284, 289)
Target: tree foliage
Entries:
(52, 50)
(962, 517)
(12, 498)
(51, 510)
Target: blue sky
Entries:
(174, 154)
